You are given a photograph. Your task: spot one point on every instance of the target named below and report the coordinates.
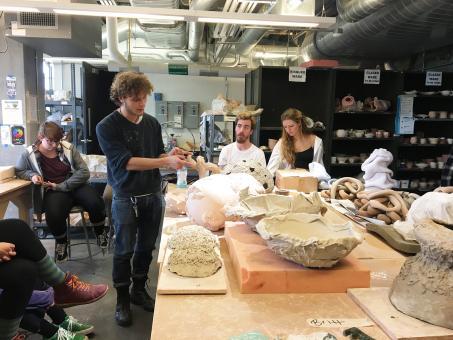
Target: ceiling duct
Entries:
(156, 4)
(196, 29)
(355, 10)
(397, 30)
(56, 35)
(251, 37)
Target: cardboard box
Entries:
(296, 179)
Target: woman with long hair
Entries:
(61, 181)
(298, 146)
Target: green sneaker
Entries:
(63, 334)
(75, 326)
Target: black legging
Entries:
(18, 276)
(33, 320)
(58, 204)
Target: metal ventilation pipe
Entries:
(122, 28)
(318, 45)
(355, 10)
(196, 29)
(251, 37)
(112, 42)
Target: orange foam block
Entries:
(259, 270)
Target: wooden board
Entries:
(170, 283)
(375, 302)
(259, 270)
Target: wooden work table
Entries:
(223, 316)
(18, 192)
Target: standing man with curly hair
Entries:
(132, 143)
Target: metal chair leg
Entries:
(87, 240)
(68, 235)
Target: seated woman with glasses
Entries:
(61, 177)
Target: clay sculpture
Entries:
(424, 287)
(344, 188)
(207, 197)
(195, 252)
(202, 167)
(254, 208)
(254, 168)
(308, 239)
(385, 205)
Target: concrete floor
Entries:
(101, 313)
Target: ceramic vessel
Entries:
(341, 133)
(424, 287)
(308, 239)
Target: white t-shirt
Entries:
(230, 154)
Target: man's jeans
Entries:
(136, 231)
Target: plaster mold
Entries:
(436, 206)
(254, 168)
(308, 239)
(254, 208)
(424, 287)
(195, 252)
(207, 197)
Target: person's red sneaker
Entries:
(73, 292)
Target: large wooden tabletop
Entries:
(223, 316)
(18, 192)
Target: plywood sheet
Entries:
(170, 283)
(375, 302)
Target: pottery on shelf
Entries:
(348, 103)
(341, 133)
(433, 140)
(421, 166)
(424, 287)
(308, 239)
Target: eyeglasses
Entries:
(51, 141)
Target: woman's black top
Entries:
(304, 158)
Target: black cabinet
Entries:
(421, 155)
(363, 126)
(269, 88)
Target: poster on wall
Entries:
(11, 87)
(5, 134)
(17, 135)
(12, 112)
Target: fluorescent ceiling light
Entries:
(17, 9)
(118, 14)
(258, 22)
(158, 13)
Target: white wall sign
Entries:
(406, 125)
(12, 112)
(433, 78)
(298, 74)
(406, 106)
(372, 76)
(11, 87)
(5, 134)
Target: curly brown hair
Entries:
(246, 116)
(287, 147)
(129, 84)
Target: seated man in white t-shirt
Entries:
(243, 147)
